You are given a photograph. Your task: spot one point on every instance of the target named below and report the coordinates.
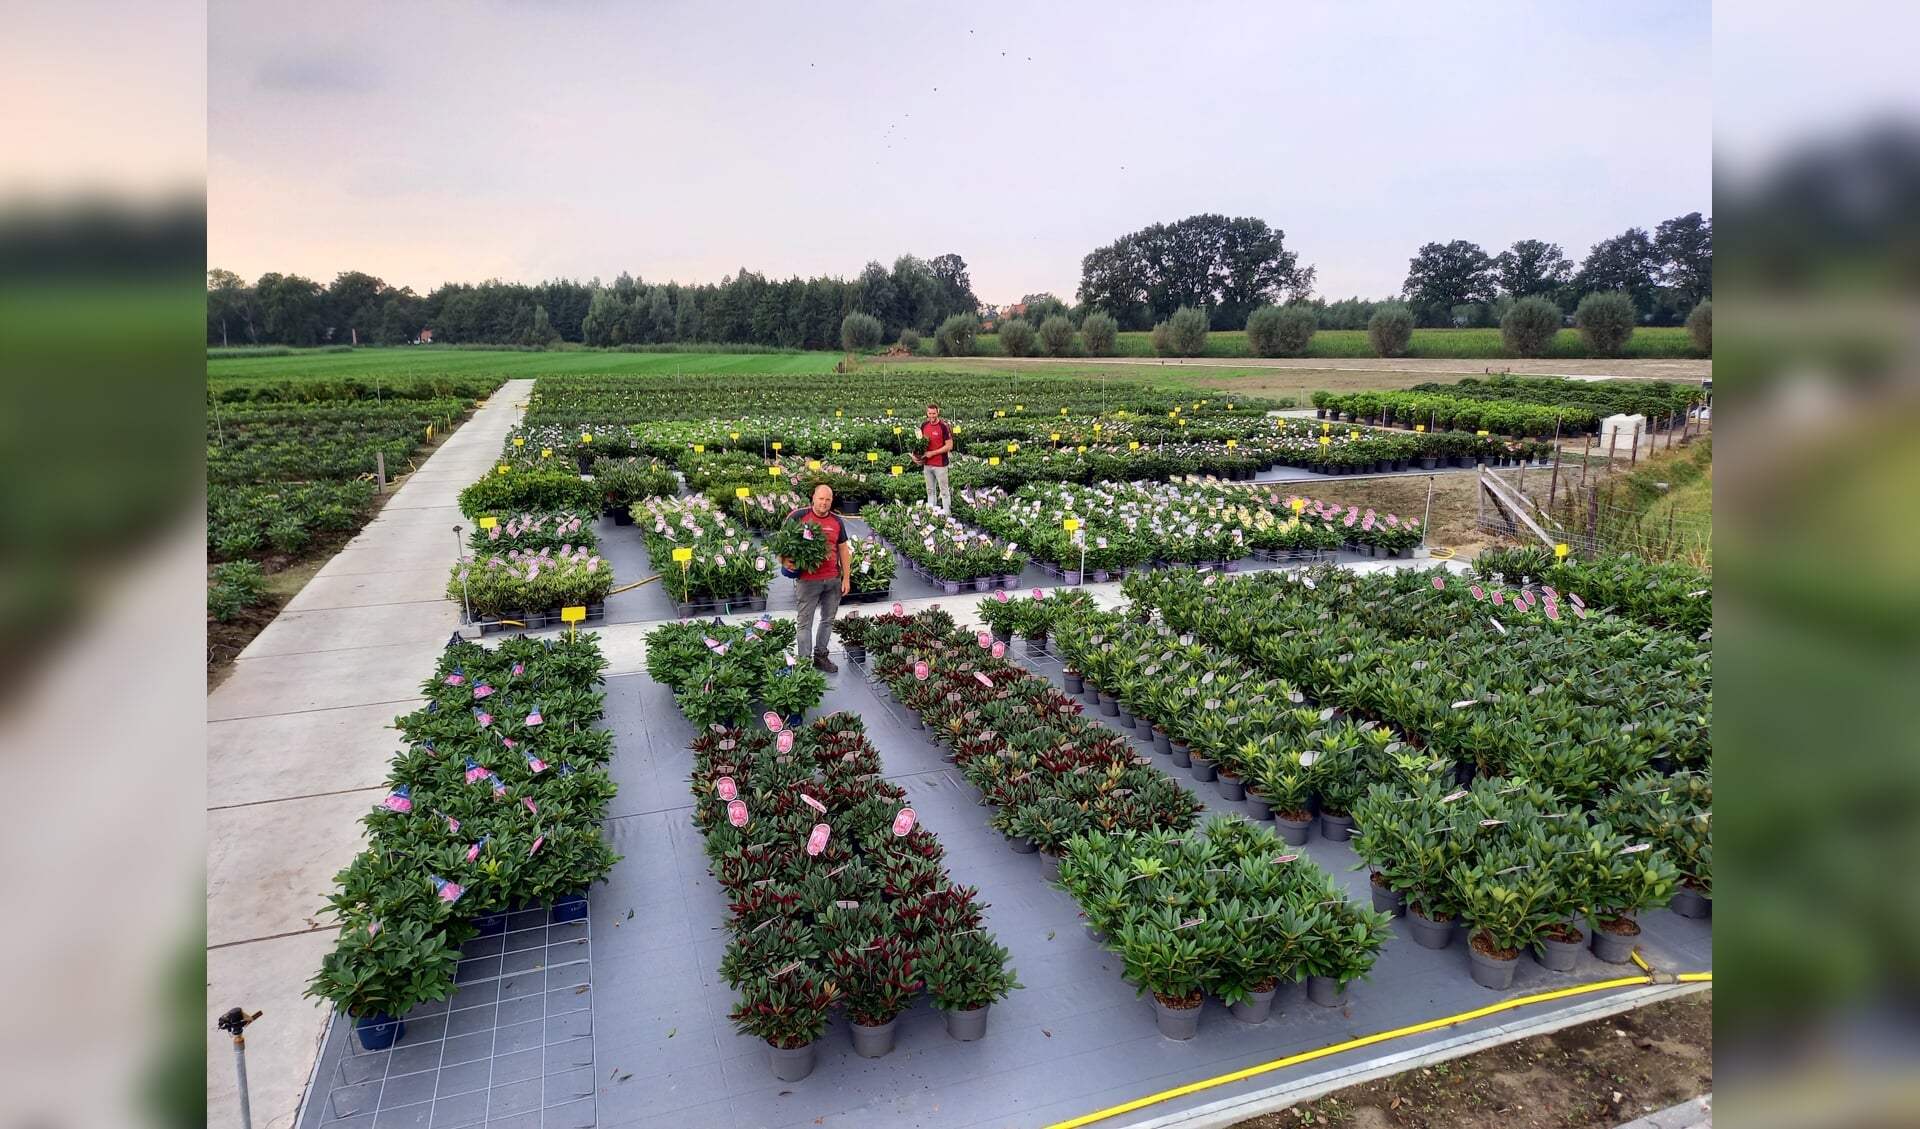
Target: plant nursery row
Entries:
(494, 806)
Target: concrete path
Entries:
(298, 742)
(1696, 1114)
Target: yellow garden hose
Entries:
(635, 584)
(1440, 553)
(1651, 977)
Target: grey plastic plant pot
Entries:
(1175, 1022)
(1688, 902)
(874, 1042)
(1325, 991)
(1558, 956)
(1615, 948)
(1430, 934)
(1491, 972)
(791, 1064)
(967, 1026)
(1255, 1008)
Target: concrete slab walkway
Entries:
(298, 741)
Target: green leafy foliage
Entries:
(1390, 329)
(1606, 321)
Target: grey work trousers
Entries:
(822, 596)
(937, 481)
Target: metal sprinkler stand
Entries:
(468, 629)
(234, 1022)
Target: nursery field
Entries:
(291, 468)
(1453, 344)
(1049, 850)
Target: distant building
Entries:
(425, 338)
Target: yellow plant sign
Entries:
(503, 468)
(489, 522)
(1298, 504)
(577, 613)
(896, 431)
(896, 470)
(742, 491)
(699, 448)
(1013, 448)
(1056, 437)
(1071, 525)
(1419, 427)
(734, 435)
(585, 438)
(836, 444)
(813, 464)
(776, 444)
(519, 440)
(1019, 407)
(546, 452)
(873, 456)
(1483, 431)
(1232, 443)
(683, 555)
(993, 460)
(773, 472)
(1133, 444)
(1561, 550)
(999, 415)
(837, 413)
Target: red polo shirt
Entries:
(836, 533)
(936, 433)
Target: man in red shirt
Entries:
(820, 590)
(939, 439)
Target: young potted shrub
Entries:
(1255, 951)
(1620, 880)
(877, 983)
(1379, 831)
(966, 973)
(1285, 784)
(1339, 947)
(787, 1009)
(1505, 893)
(385, 966)
(1169, 958)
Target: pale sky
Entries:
(429, 142)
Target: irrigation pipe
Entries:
(1650, 977)
(635, 584)
(1440, 553)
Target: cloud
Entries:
(327, 71)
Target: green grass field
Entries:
(1444, 344)
(425, 360)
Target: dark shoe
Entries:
(822, 662)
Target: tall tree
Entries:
(951, 270)
(1444, 275)
(291, 305)
(1685, 245)
(1532, 267)
(228, 307)
(1225, 265)
(1627, 263)
(352, 306)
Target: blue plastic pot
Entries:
(793, 719)
(377, 1032)
(569, 907)
(491, 924)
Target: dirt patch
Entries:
(1592, 1076)
(1455, 505)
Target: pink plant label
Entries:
(784, 742)
(899, 609)
(1439, 584)
(773, 721)
(1000, 595)
(817, 838)
(999, 649)
(1580, 611)
(1529, 597)
(982, 679)
(726, 788)
(920, 671)
(816, 805)
(1548, 589)
(1286, 858)
(986, 640)
(1208, 582)
(1308, 581)
(1478, 594)
(737, 813)
(1553, 610)
(1499, 600)
(1577, 601)
(1038, 594)
(903, 822)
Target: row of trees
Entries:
(1665, 275)
(1227, 267)
(745, 309)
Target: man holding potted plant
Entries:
(939, 440)
(813, 545)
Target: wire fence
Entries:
(1595, 505)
